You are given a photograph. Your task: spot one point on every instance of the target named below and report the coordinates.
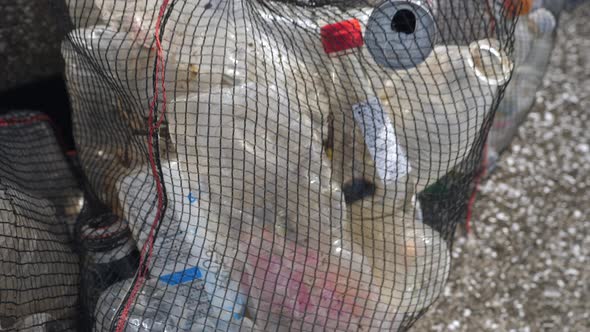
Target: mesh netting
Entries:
(39, 201)
(278, 165)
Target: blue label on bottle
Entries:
(182, 276)
(192, 199)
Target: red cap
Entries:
(341, 36)
(518, 7)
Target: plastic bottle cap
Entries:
(518, 7)
(341, 36)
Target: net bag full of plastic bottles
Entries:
(534, 39)
(39, 202)
(271, 158)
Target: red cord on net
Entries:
(492, 17)
(484, 163)
(480, 174)
(147, 248)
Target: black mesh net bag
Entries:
(283, 165)
(39, 201)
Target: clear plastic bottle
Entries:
(160, 307)
(105, 151)
(534, 36)
(191, 239)
(440, 106)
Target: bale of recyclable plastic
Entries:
(271, 157)
(39, 200)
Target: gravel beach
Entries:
(526, 265)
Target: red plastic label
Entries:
(341, 36)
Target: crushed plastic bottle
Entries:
(110, 255)
(190, 240)
(161, 307)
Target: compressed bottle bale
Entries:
(39, 272)
(198, 123)
(262, 177)
(39, 201)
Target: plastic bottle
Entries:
(538, 30)
(109, 79)
(440, 127)
(105, 141)
(110, 255)
(191, 243)
(160, 307)
(248, 137)
(128, 67)
(198, 38)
